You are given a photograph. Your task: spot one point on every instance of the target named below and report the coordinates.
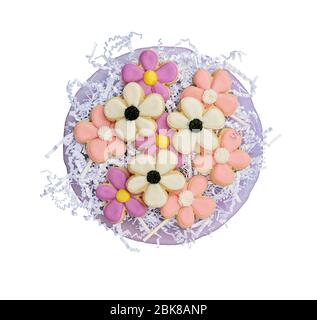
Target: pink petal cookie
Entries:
(114, 211)
(239, 159)
(221, 81)
(97, 150)
(117, 177)
(98, 117)
(148, 59)
(222, 174)
(203, 207)
(135, 208)
(185, 217)
(131, 73)
(105, 192)
(167, 72)
(197, 185)
(85, 131)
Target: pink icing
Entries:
(223, 173)
(220, 82)
(86, 132)
(201, 207)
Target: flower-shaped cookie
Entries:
(194, 125)
(99, 136)
(161, 139)
(133, 114)
(189, 203)
(119, 200)
(151, 76)
(225, 159)
(154, 176)
(213, 90)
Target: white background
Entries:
(269, 247)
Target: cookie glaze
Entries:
(154, 176)
(213, 90)
(134, 115)
(99, 136)
(151, 76)
(225, 159)
(195, 126)
(189, 204)
(119, 200)
(161, 140)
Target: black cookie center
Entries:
(153, 177)
(195, 125)
(131, 113)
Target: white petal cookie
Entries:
(133, 114)
(154, 177)
(195, 126)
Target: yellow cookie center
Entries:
(122, 195)
(150, 77)
(162, 141)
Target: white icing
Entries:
(210, 96)
(105, 133)
(186, 198)
(221, 155)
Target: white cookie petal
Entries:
(133, 94)
(125, 130)
(177, 120)
(137, 184)
(114, 108)
(146, 127)
(208, 139)
(213, 118)
(184, 141)
(173, 181)
(142, 164)
(192, 108)
(155, 196)
(166, 161)
(153, 106)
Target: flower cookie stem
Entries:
(86, 169)
(144, 225)
(157, 228)
(238, 120)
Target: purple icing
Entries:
(149, 61)
(130, 225)
(113, 210)
(117, 178)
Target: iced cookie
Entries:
(195, 126)
(189, 203)
(119, 200)
(154, 177)
(226, 159)
(99, 136)
(151, 76)
(133, 114)
(160, 140)
(213, 90)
